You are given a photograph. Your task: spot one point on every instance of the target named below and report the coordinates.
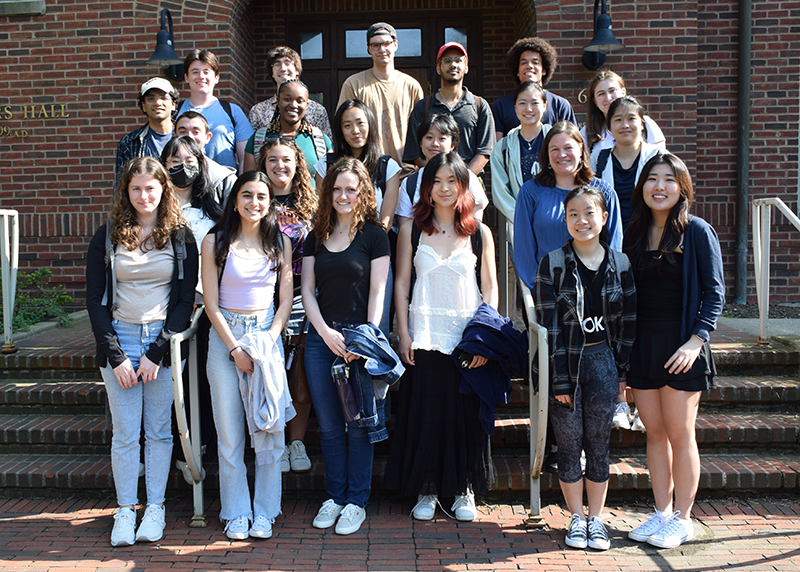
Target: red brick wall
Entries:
(681, 62)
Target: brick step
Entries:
(58, 397)
(55, 434)
(730, 389)
(718, 472)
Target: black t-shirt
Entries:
(594, 326)
(343, 277)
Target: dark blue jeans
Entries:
(346, 448)
(587, 425)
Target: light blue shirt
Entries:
(539, 226)
(222, 147)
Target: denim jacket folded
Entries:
(372, 377)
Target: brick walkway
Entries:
(39, 535)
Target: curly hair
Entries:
(538, 45)
(366, 209)
(279, 52)
(546, 177)
(126, 229)
(465, 223)
(372, 150)
(304, 194)
(595, 120)
(635, 242)
(228, 228)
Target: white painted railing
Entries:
(190, 440)
(538, 401)
(9, 261)
(762, 226)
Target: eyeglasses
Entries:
(454, 60)
(375, 46)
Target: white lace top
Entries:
(445, 298)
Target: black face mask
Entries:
(183, 175)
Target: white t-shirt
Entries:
(404, 204)
(392, 168)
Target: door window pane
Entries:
(456, 35)
(311, 46)
(355, 42)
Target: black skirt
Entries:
(655, 343)
(438, 445)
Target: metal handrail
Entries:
(9, 262)
(537, 408)
(192, 452)
(762, 226)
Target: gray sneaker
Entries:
(298, 459)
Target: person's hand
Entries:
(335, 341)
(683, 359)
(242, 360)
(406, 353)
(477, 361)
(566, 399)
(125, 374)
(147, 369)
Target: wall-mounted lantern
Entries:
(603, 42)
(164, 56)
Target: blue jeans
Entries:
(346, 448)
(232, 433)
(151, 401)
(587, 426)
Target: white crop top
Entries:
(445, 299)
(247, 283)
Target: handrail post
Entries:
(9, 262)
(502, 265)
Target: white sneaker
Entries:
(598, 535)
(637, 424)
(351, 519)
(654, 523)
(464, 507)
(123, 533)
(622, 416)
(284, 460)
(425, 507)
(152, 526)
(674, 533)
(238, 528)
(261, 528)
(298, 458)
(576, 532)
(327, 515)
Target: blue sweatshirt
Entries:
(539, 225)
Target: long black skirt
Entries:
(438, 445)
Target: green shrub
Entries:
(38, 300)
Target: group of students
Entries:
(303, 241)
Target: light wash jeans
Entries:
(151, 400)
(229, 417)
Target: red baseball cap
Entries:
(453, 45)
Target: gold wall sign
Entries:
(28, 113)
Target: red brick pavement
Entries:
(747, 535)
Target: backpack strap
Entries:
(110, 293)
(226, 105)
(259, 138)
(602, 161)
(556, 259)
(476, 240)
(411, 186)
(379, 178)
(179, 246)
(320, 148)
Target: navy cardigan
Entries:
(179, 309)
(703, 282)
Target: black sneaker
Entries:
(576, 532)
(598, 535)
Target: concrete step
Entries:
(75, 473)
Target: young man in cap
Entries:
(229, 125)
(284, 64)
(157, 100)
(471, 113)
(389, 93)
(531, 59)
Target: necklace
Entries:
(247, 246)
(443, 229)
(594, 262)
(447, 101)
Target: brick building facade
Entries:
(69, 79)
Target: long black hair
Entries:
(203, 195)
(371, 153)
(228, 228)
(635, 243)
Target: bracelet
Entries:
(230, 353)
